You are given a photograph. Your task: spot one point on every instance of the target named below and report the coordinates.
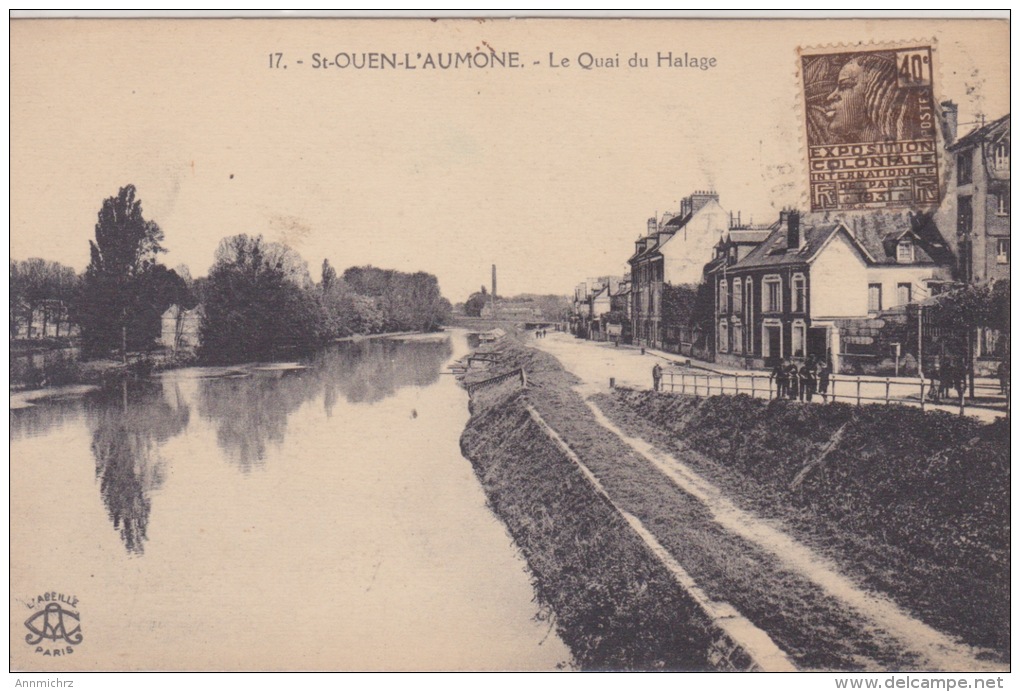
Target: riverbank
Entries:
(912, 504)
(803, 590)
(57, 371)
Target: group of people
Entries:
(539, 333)
(944, 374)
(801, 382)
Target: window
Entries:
(772, 339)
(749, 302)
(1002, 204)
(772, 294)
(874, 297)
(1002, 251)
(724, 336)
(798, 339)
(1000, 160)
(722, 296)
(799, 293)
(738, 295)
(738, 337)
(903, 294)
(905, 252)
(964, 215)
(964, 169)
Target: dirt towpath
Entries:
(870, 611)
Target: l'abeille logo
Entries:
(54, 629)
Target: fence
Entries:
(857, 389)
(506, 377)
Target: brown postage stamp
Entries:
(871, 128)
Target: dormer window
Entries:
(905, 252)
(1000, 160)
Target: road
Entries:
(596, 362)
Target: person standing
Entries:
(793, 376)
(807, 379)
(824, 372)
(656, 376)
(779, 375)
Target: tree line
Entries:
(258, 302)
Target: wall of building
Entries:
(838, 281)
(890, 276)
(996, 227)
(690, 248)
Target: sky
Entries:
(548, 172)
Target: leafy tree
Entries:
(407, 301)
(258, 305)
(971, 306)
(39, 290)
(125, 289)
(328, 275)
(475, 302)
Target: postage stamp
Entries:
(870, 117)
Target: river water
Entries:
(276, 518)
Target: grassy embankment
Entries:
(514, 462)
(913, 504)
(615, 605)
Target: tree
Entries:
(257, 303)
(959, 313)
(40, 290)
(475, 302)
(328, 275)
(408, 301)
(122, 297)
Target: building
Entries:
(784, 297)
(511, 310)
(181, 328)
(595, 298)
(673, 251)
(977, 203)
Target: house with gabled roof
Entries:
(784, 297)
(673, 251)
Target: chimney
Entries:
(950, 118)
(792, 229)
(653, 226)
(702, 197)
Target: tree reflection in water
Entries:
(374, 369)
(128, 423)
(251, 411)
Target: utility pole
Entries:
(492, 296)
(920, 343)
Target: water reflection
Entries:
(128, 423)
(42, 416)
(250, 411)
(371, 370)
(127, 426)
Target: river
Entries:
(312, 517)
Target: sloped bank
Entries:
(914, 504)
(618, 605)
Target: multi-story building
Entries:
(977, 202)
(783, 298)
(673, 251)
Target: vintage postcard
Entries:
(510, 345)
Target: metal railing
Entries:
(498, 379)
(856, 389)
